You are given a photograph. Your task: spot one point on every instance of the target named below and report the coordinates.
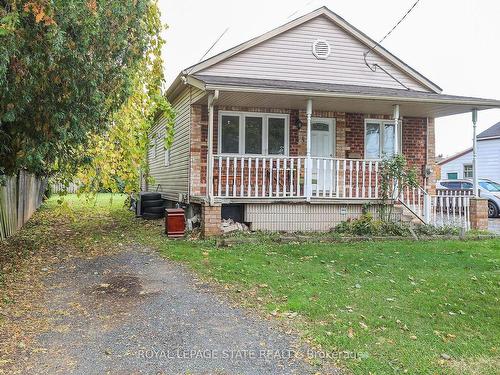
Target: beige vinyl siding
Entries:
(289, 56)
(173, 179)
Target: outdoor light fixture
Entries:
(298, 123)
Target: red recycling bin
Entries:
(174, 222)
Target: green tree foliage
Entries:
(395, 177)
(65, 67)
(114, 159)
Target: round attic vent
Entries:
(321, 49)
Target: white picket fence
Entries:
(57, 187)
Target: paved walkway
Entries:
(494, 225)
(135, 312)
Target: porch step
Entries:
(407, 216)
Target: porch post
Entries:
(308, 152)
(474, 153)
(210, 170)
(396, 128)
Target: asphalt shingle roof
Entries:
(337, 88)
(493, 131)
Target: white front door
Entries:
(322, 146)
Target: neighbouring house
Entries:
(286, 132)
(459, 165)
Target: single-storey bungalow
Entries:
(286, 131)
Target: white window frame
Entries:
(167, 157)
(265, 127)
(153, 146)
(381, 124)
(471, 171)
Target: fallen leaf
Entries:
(350, 333)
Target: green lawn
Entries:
(406, 306)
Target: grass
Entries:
(416, 307)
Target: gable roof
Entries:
(453, 157)
(490, 133)
(346, 26)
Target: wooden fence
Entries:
(20, 197)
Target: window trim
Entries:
(153, 146)
(166, 157)
(471, 170)
(241, 132)
(381, 123)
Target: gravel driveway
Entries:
(135, 312)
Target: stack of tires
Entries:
(152, 206)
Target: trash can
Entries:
(174, 222)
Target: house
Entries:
(287, 131)
(488, 158)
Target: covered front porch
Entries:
(271, 141)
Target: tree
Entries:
(114, 159)
(395, 177)
(65, 67)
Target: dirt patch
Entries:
(117, 286)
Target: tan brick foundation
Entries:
(210, 220)
(479, 213)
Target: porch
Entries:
(260, 178)
(315, 153)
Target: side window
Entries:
(153, 146)
(466, 185)
(468, 171)
(167, 157)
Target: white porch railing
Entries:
(287, 177)
(417, 201)
(450, 210)
(447, 208)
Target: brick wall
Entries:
(417, 137)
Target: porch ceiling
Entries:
(340, 98)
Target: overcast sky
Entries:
(454, 43)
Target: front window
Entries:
(230, 134)
(253, 133)
(380, 139)
(468, 171)
(276, 136)
(490, 186)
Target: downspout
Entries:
(212, 97)
(308, 152)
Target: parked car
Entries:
(487, 189)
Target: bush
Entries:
(367, 226)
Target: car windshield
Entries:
(490, 186)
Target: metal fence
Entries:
(20, 197)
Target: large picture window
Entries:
(253, 133)
(380, 139)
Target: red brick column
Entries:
(210, 220)
(479, 213)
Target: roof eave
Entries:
(467, 102)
